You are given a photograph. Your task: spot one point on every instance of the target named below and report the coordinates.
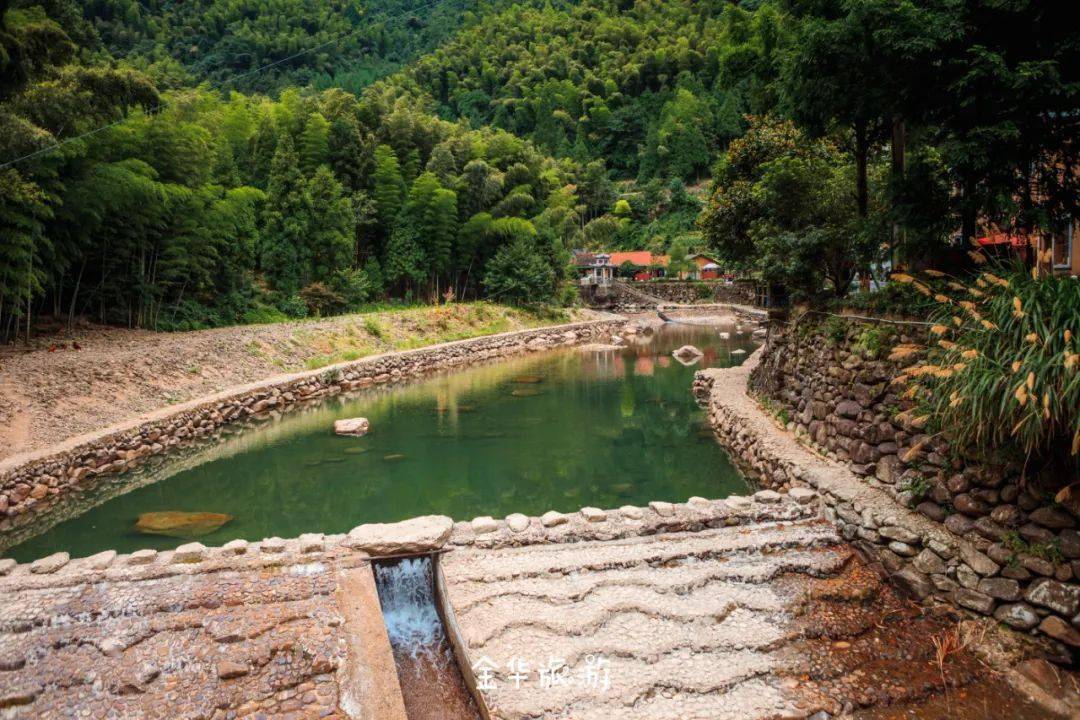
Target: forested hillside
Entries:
(187, 164)
(218, 40)
(653, 87)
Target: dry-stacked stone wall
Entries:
(830, 383)
(695, 291)
(39, 479)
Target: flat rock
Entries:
(312, 542)
(101, 560)
(272, 546)
(189, 553)
(227, 669)
(913, 582)
(1060, 630)
(978, 562)
(181, 524)
(50, 564)
(1000, 588)
(352, 427)
(803, 496)
(517, 522)
(593, 515)
(974, 600)
(1017, 615)
(552, 519)
(1057, 596)
(768, 497)
(631, 512)
(416, 535)
(484, 524)
(739, 502)
(235, 547)
(142, 557)
(687, 352)
(661, 508)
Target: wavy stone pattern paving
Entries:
(688, 621)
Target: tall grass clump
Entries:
(1003, 370)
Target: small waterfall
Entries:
(406, 591)
(430, 679)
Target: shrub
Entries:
(321, 300)
(1002, 370)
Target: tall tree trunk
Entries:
(899, 167)
(862, 151)
(968, 213)
(75, 295)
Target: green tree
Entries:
(286, 221)
(314, 143)
(519, 274)
(388, 187)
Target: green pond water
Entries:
(559, 430)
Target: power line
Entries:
(220, 85)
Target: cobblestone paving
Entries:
(225, 644)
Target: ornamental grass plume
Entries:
(1006, 374)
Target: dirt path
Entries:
(69, 384)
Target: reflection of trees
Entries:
(608, 428)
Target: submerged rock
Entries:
(394, 456)
(175, 523)
(353, 427)
(687, 352)
(525, 392)
(528, 379)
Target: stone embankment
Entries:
(743, 608)
(978, 540)
(272, 627)
(630, 297)
(30, 481)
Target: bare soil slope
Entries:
(67, 384)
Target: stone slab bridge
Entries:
(741, 608)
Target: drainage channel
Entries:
(429, 667)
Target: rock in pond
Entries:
(528, 379)
(525, 392)
(353, 427)
(175, 523)
(687, 352)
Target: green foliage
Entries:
(641, 85)
(872, 341)
(519, 275)
(782, 210)
(836, 329)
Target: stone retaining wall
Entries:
(425, 534)
(39, 478)
(974, 535)
(699, 291)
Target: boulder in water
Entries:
(738, 351)
(687, 352)
(725, 336)
(352, 427)
(528, 379)
(175, 523)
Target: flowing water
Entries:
(558, 430)
(430, 679)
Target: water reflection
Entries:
(599, 428)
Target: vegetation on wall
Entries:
(1004, 370)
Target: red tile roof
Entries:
(644, 258)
